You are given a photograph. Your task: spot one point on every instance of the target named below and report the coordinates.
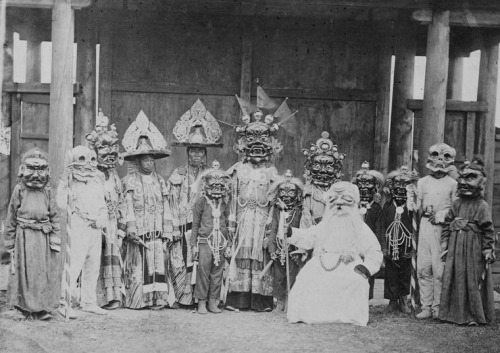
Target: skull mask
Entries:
(83, 162)
(34, 170)
(441, 158)
(471, 180)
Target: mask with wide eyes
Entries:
(288, 194)
(441, 157)
(257, 142)
(367, 186)
(35, 173)
(216, 185)
(107, 151)
(399, 189)
(470, 183)
(83, 158)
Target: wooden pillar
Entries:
(401, 144)
(487, 90)
(61, 88)
(383, 119)
(33, 61)
(246, 63)
(86, 38)
(436, 79)
(455, 78)
(105, 67)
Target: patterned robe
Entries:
(252, 210)
(31, 229)
(146, 276)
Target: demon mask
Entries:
(104, 141)
(34, 170)
(324, 162)
(368, 182)
(215, 182)
(287, 192)
(471, 180)
(399, 183)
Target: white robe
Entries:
(339, 295)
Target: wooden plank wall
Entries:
(327, 72)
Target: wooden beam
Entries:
(33, 87)
(459, 18)
(451, 105)
(86, 38)
(401, 145)
(61, 88)
(455, 78)
(76, 4)
(436, 78)
(33, 61)
(488, 78)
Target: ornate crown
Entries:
(324, 146)
(197, 127)
(143, 137)
(100, 130)
(365, 170)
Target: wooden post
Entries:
(383, 119)
(61, 88)
(488, 76)
(86, 36)
(401, 144)
(455, 78)
(33, 61)
(105, 67)
(246, 63)
(436, 79)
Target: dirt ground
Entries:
(183, 330)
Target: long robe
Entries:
(374, 218)
(313, 206)
(35, 284)
(466, 296)
(327, 290)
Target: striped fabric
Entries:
(413, 280)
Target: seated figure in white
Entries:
(333, 285)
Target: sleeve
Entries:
(172, 211)
(445, 233)
(306, 221)
(380, 229)
(372, 252)
(486, 226)
(103, 207)
(11, 222)
(420, 194)
(197, 214)
(55, 234)
(273, 230)
(230, 232)
(122, 208)
(303, 238)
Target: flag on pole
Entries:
(264, 101)
(413, 278)
(283, 111)
(246, 107)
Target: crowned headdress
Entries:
(143, 138)
(324, 146)
(197, 128)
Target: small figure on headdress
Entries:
(32, 237)
(211, 237)
(435, 194)
(369, 183)
(196, 130)
(147, 283)
(323, 168)
(286, 196)
(468, 248)
(81, 193)
(251, 179)
(399, 213)
(104, 141)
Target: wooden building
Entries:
(331, 58)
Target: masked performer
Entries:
(197, 129)
(435, 194)
(104, 141)
(468, 239)
(333, 285)
(369, 183)
(250, 208)
(146, 277)
(211, 237)
(32, 237)
(322, 169)
(81, 193)
(286, 195)
(399, 212)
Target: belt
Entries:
(45, 226)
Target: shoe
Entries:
(71, 313)
(424, 314)
(472, 323)
(202, 307)
(94, 309)
(156, 307)
(393, 305)
(43, 315)
(213, 306)
(403, 305)
(175, 306)
(435, 314)
(115, 304)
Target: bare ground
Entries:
(182, 330)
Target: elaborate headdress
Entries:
(399, 183)
(324, 162)
(197, 128)
(285, 183)
(143, 138)
(369, 183)
(104, 141)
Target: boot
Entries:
(213, 306)
(280, 305)
(202, 307)
(403, 305)
(425, 314)
(393, 305)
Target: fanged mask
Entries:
(368, 182)
(289, 192)
(400, 182)
(34, 171)
(104, 141)
(441, 158)
(257, 142)
(215, 182)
